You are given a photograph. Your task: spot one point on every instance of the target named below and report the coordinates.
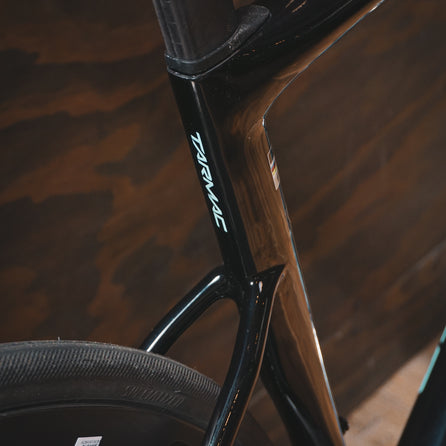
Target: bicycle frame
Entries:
(223, 101)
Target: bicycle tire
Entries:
(77, 393)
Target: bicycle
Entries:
(215, 119)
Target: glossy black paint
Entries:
(192, 29)
(212, 288)
(254, 298)
(249, 21)
(218, 108)
(192, 100)
(301, 428)
(427, 422)
(292, 29)
(255, 306)
(238, 280)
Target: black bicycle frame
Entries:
(224, 87)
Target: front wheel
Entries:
(68, 393)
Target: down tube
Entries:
(271, 242)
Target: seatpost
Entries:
(199, 34)
(193, 29)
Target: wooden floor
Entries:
(379, 420)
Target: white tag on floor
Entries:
(88, 441)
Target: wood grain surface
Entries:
(102, 223)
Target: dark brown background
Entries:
(102, 223)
